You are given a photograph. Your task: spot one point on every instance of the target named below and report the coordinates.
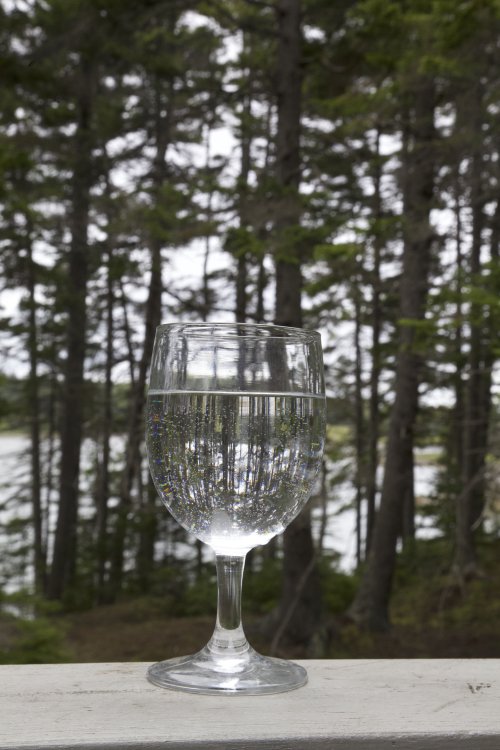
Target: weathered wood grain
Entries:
(351, 705)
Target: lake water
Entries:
(339, 518)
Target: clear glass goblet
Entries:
(235, 435)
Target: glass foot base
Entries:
(248, 674)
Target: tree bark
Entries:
(376, 320)
(65, 543)
(40, 560)
(288, 164)
(246, 146)
(103, 488)
(370, 606)
(407, 529)
(126, 331)
(261, 287)
(470, 500)
(359, 422)
(458, 411)
(49, 457)
(300, 604)
(206, 297)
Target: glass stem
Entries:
(228, 638)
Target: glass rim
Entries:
(255, 331)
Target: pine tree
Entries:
(370, 606)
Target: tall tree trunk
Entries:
(359, 422)
(370, 606)
(206, 302)
(288, 163)
(246, 146)
(458, 411)
(407, 520)
(470, 500)
(263, 235)
(40, 560)
(491, 352)
(65, 542)
(376, 320)
(300, 604)
(49, 456)
(103, 488)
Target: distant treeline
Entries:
(15, 407)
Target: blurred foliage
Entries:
(29, 632)
(433, 616)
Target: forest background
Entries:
(327, 165)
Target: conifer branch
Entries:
(243, 24)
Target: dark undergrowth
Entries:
(433, 616)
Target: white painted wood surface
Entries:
(351, 705)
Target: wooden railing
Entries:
(347, 705)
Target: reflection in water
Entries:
(234, 468)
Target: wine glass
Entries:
(235, 435)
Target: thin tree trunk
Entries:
(103, 489)
(471, 499)
(359, 424)
(300, 605)
(260, 313)
(324, 509)
(65, 543)
(39, 549)
(458, 411)
(246, 146)
(288, 165)
(240, 312)
(376, 320)
(370, 606)
(261, 287)
(126, 330)
(206, 303)
(50, 456)
(407, 529)
(491, 355)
